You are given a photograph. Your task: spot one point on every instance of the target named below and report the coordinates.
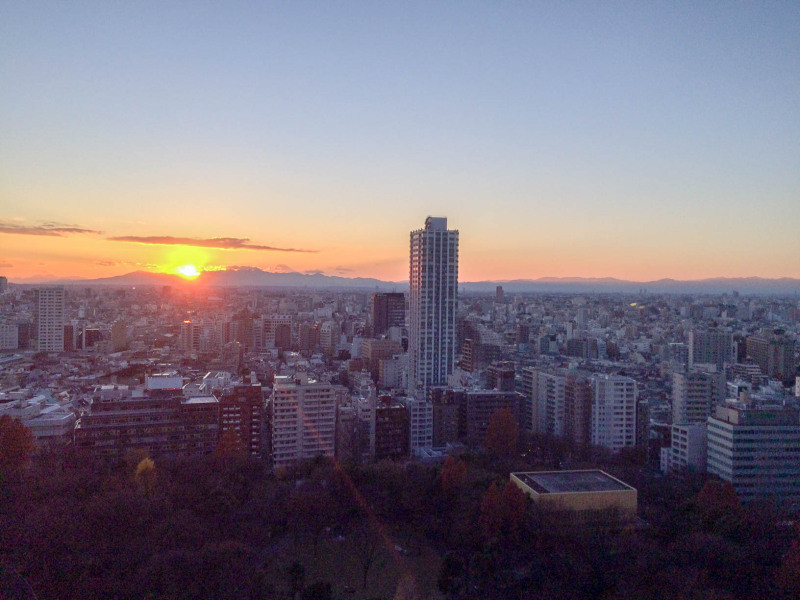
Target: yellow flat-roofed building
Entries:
(581, 492)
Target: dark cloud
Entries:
(5, 265)
(48, 229)
(314, 272)
(107, 263)
(343, 269)
(221, 243)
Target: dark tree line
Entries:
(219, 527)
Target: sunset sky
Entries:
(636, 140)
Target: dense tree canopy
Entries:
(225, 527)
(16, 446)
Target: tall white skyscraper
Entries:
(432, 302)
(50, 319)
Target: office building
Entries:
(387, 310)
(50, 319)
(433, 298)
(757, 449)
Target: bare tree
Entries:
(367, 544)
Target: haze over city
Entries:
(581, 140)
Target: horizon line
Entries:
(43, 279)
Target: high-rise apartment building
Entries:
(445, 415)
(774, 355)
(241, 409)
(549, 402)
(433, 298)
(578, 408)
(329, 334)
(694, 396)
(529, 414)
(543, 401)
(712, 346)
(303, 419)
(392, 426)
(613, 411)
(420, 424)
(50, 319)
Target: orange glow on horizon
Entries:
(31, 259)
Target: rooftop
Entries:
(200, 400)
(561, 482)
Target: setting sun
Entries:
(188, 271)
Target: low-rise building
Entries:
(159, 422)
(590, 495)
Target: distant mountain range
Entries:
(579, 285)
(254, 277)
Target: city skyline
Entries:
(591, 140)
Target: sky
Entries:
(637, 140)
